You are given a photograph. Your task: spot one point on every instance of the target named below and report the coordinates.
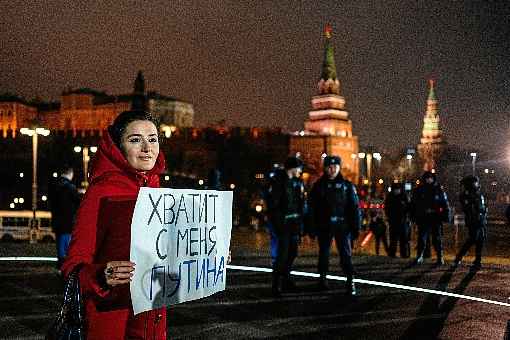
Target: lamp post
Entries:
(34, 133)
(473, 162)
(409, 158)
(85, 153)
(369, 156)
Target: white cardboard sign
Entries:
(180, 241)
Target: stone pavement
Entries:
(31, 294)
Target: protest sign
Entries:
(180, 241)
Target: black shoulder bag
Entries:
(70, 322)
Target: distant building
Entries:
(88, 112)
(432, 143)
(328, 129)
(15, 113)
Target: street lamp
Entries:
(473, 162)
(86, 159)
(34, 133)
(368, 157)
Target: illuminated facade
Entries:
(15, 113)
(88, 112)
(328, 128)
(431, 143)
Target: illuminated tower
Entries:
(328, 128)
(431, 142)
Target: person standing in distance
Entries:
(475, 215)
(64, 201)
(429, 209)
(285, 201)
(335, 212)
(396, 208)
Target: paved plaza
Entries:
(31, 295)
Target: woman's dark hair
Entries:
(117, 129)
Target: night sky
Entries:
(257, 63)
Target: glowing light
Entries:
(365, 181)
(167, 178)
(200, 182)
(433, 171)
(55, 175)
(232, 186)
(473, 154)
(324, 155)
(21, 175)
(93, 149)
(21, 200)
(44, 198)
(77, 148)
(366, 239)
(12, 206)
(26, 131)
(353, 155)
(301, 133)
(361, 155)
(377, 156)
(381, 181)
(16, 200)
(486, 171)
(258, 208)
(42, 131)
(409, 157)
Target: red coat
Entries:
(111, 177)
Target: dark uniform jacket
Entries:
(429, 204)
(474, 208)
(64, 202)
(334, 205)
(285, 202)
(396, 208)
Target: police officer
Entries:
(475, 216)
(64, 201)
(429, 209)
(396, 208)
(285, 200)
(335, 212)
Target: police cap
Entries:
(332, 160)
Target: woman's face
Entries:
(140, 144)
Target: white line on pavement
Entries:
(378, 283)
(315, 275)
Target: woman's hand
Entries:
(118, 272)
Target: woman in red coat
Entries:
(127, 159)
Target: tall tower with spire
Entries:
(139, 98)
(328, 129)
(431, 142)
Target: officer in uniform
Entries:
(475, 216)
(285, 201)
(396, 208)
(429, 209)
(335, 212)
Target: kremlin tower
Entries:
(328, 129)
(431, 144)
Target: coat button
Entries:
(158, 318)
